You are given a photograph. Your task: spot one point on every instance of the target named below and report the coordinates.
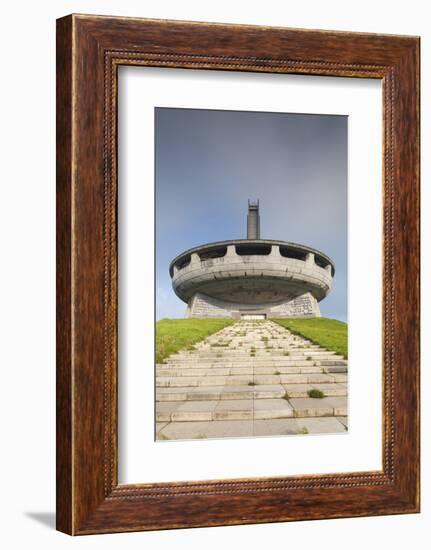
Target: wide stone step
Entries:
(254, 365)
(250, 409)
(242, 380)
(253, 356)
(246, 346)
(249, 428)
(262, 391)
(188, 373)
(216, 393)
(226, 371)
(239, 353)
(224, 410)
(207, 346)
(256, 360)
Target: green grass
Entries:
(328, 333)
(173, 335)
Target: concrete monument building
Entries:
(252, 278)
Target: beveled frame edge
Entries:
(89, 51)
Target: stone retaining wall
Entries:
(205, 306)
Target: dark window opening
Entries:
(213, 253)
(183, 262)
(253, 249)
(287, 252)
(320, 261)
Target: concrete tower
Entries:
(253, 220)
(252, 278)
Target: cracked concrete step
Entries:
(238, 352)
(329, 390)
(255, 359)
(246, 345)
(243, 345)
(247, 364)
(211, 393)
(328, 406)
(249, 428)
(262, 361)
(261, 353)
(224, 410)
(238, 380)
(226, 371)
(249, 409)
(243, 348)
(271, 391)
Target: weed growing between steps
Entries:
(175, 334)
(328, 333)
(316, 394)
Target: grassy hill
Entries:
(329, 333)
(175, 334)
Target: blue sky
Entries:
(209, 163)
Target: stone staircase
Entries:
(252, 378)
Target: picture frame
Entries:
(89, 51)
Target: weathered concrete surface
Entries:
(256, 277)
(201, 305)
(251, 378)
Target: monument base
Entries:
(205, 306)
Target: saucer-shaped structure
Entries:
(252, 278)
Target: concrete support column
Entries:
(328, 268)
(275, 251)
(231, 251)
(194, 258)
(309, 258)
(175, 270)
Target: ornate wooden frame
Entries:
(89, 51)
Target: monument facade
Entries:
(252, 278)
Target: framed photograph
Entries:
(237, 274)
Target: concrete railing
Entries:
(274, 255)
